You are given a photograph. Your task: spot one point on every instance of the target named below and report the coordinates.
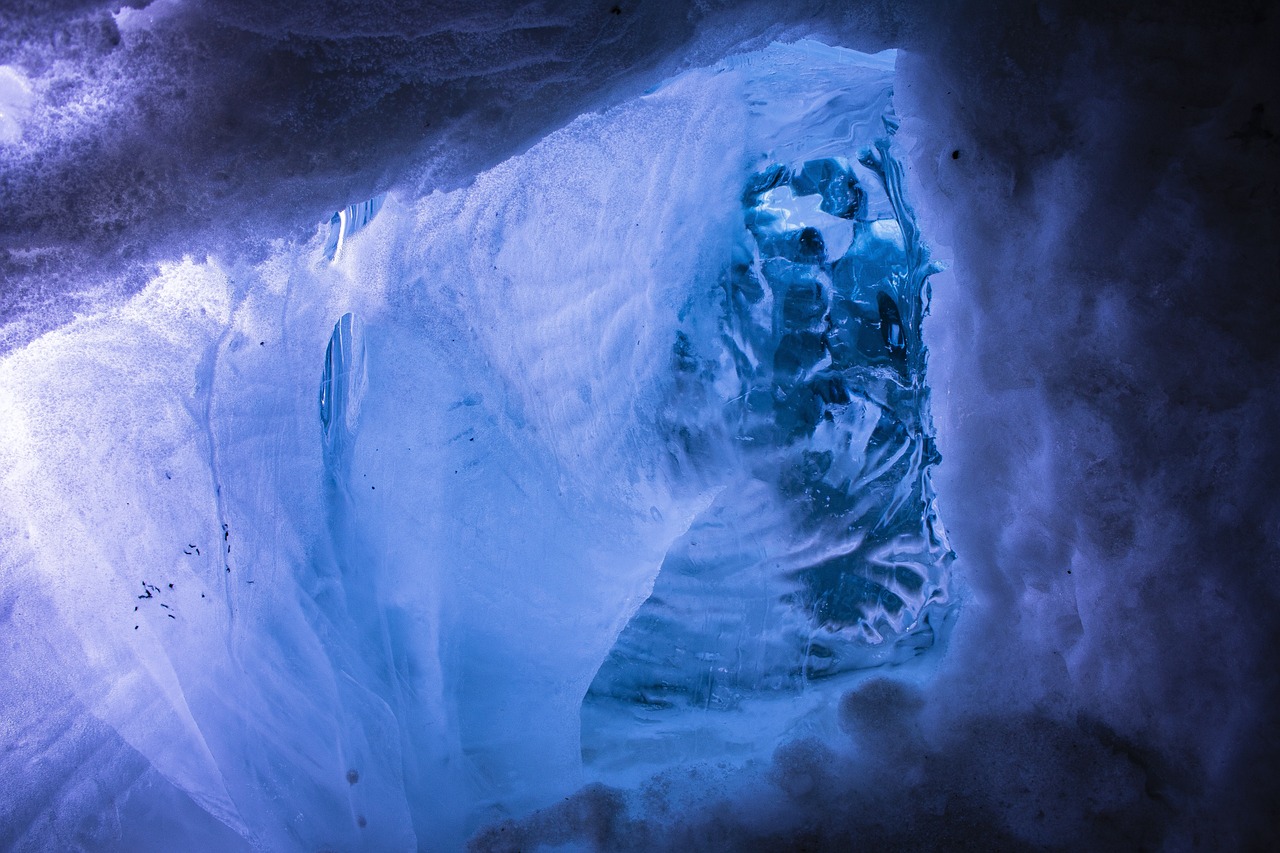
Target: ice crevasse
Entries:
(478, 496)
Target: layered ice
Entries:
(15, 103)
(348, 221)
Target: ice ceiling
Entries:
(576, 483)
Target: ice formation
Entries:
(389, 528)
(348, 221)
(801, 385)
(389, 497)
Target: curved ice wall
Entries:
(330, 548)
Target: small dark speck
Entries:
(171, 616)
(168, 476)
(616, 10)
(955, 155)
(135, 627)
(201, 595)
(262, 343)
(373, 487)
(361, 822)
(135, 607)
(471, 439)
(170, 586)
(353, 776)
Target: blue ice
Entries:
(823, 555)
(454, 509)
(348, 221)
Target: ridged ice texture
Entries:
(342, 383)
(824, 554)
(348, 221)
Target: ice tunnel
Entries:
(617, 458)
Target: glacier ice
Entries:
(642, 404)
(343, 383)
(822, 554)
(348, 221)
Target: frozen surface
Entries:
(801, 382)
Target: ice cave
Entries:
(641, 427)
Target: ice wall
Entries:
(355, 526)
(358, 524)
(802, 390)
